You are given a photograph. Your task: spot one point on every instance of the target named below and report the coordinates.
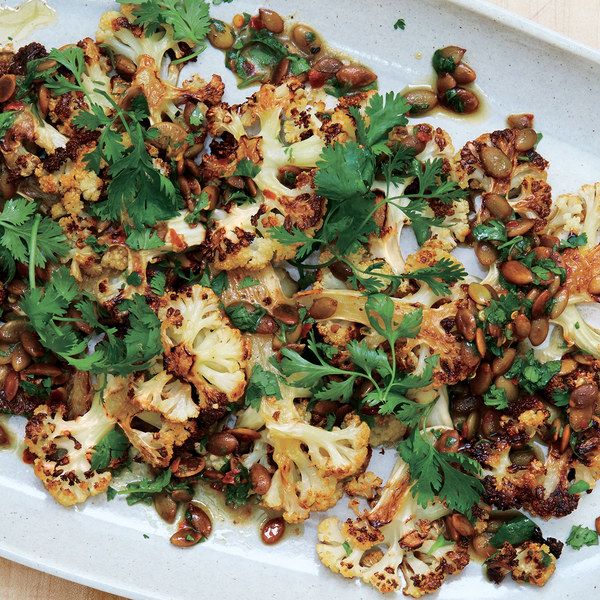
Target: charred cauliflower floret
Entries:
(157, 441)
(471, 172)
(118, 32)
(566, 216)
(577, 213)
(456, 361)
(164, 99)
(582, 266)
(240, 236)
(63, 450)
(25, 131)
(393, 546)
(540, 487)
(310, 461)
(530, 562)
(365, 485)
(201, 347)
(534, 199)
(168, 396)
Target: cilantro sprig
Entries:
(438, 277)
(188, 20)
(119, 354)
(346, 175)
(328, 382)
(25, 234)
(434, 474)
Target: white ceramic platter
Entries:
(521, 68)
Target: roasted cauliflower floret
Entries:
(566, 216)
(63, 450)
(27, 130)
(240, 234)
(164, 99)
(117, 31)
(582, 265)
(455, 224)
(167, 396)
(426, 568)
(530, 562)
(456, 361)
(339, 452)
(541, 488)
(72, 184)
(392, 546)
(310, 460)
(201, 347)
(534, 199)
(471, 173)
(157, 441)
(578, 213)
(578, 332)
(365, 485)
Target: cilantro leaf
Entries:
(515, 532)
(578, 487)
(434, 474)
(560, 397)
(246, 168)
(95, 245)
(238, 487)
(219, 283)
(581, 536)
(244, 318)
(345, 172)
(17, 225)
(247, 282)
(496, 397)
(490, 231)
(144, 239)
(384, 113)
(138, 189)
(144, 489)
(189, 19)
(158, 282)
(442, 64)
(112, 446)
(7, 119)
(261, 383)
(400, 24)
(532, 375)
(369, 359)
(420, 223)
(499, 311)
(573, 241)
(433, 182)
(380, 312)
(438, 276)
(454, 100)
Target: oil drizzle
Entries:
(18, 23)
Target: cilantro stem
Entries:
(33, 248)
(197, 53)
